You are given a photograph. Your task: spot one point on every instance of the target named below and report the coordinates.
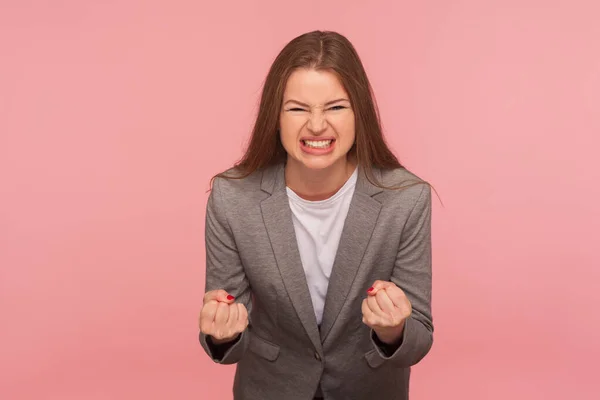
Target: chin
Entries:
(319, 164)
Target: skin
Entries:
(385, 310)
(315, 106)
(221, 317)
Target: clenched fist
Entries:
(221, 317)
(385, 310)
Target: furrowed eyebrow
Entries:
(307, 106)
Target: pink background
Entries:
(114, 115)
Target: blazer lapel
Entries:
(277, 217)
(356, 234)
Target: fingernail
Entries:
(370, 290)
(230, 297)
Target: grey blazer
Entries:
(251, 252)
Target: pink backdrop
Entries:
(114, 116)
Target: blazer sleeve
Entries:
(224, 270)
(412, 274)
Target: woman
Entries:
(318, 244)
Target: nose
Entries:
(317, 123)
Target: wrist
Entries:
(217, 342)
(391, 336)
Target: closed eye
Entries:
(336, 108)
(296, 109)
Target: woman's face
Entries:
(316, 121)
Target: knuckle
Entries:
(205, 312)
(210, 294)
(206, 329)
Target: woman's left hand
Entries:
(385, 310)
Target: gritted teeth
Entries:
(318, 143)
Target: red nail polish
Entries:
(230, 297)
(370, 290)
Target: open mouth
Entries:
(318, 144)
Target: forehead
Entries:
(313, 86)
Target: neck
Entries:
(315, 185)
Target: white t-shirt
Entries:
(318, 226)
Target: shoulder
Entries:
(232, 186)
(398, 177)
(233, 180)
(402, 184)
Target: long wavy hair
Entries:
(320, 50)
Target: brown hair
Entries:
(327, 51)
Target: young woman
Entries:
(318, 243)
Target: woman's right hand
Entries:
(221, 317)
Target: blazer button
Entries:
(317, 356)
